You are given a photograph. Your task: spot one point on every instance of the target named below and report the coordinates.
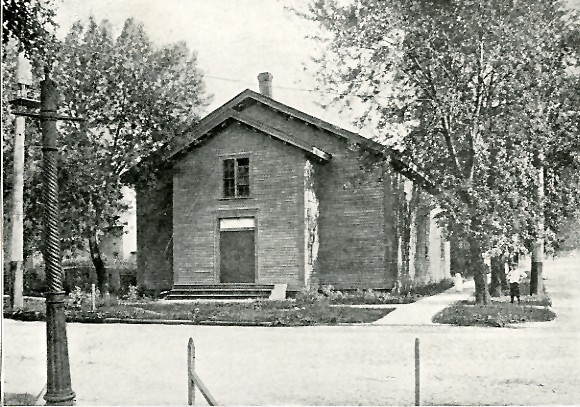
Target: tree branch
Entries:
(449, 143)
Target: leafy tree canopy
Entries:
(474, 92)
(134, 96)
(31, 24)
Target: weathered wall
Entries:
(276, 201)
(311, 234)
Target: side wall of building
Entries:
(154, 235)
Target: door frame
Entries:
(217, 245)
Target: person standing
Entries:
(514, 277)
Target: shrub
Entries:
(308, 296)
(432, 288)
(79, 299)
(132, 293)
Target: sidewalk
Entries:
(421, 312)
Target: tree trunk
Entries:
(497, 271)
(536, 279)
(100, 269)
(503, 278)
(409, 215)
(478, 266)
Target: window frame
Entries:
(236, 177)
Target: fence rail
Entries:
(194, 380)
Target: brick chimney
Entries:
(265, 83)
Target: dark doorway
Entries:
(237, 257)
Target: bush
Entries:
(79, 299)
(132, 293)
(432, 288)
(309, 296)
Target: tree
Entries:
(31, 24)
(133, 97)
(471, 91)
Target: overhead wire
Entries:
(234, 80)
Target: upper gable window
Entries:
(236, 177)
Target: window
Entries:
(237, 177)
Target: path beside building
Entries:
(422, 312)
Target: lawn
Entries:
(260, 312)
(500, 312)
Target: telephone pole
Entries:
(58, 382)
(16, 273)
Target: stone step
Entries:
(223, 285)
(215, 296)
(220, 291)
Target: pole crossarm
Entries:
(49, 117)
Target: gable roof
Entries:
(227, 115)
(230, 111)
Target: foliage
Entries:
(133, 293)
(495, 314)
(31, 24)
(31, 160)
(309, 295)
(134, 97)
(79, 299)
(470, 91)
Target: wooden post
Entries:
(93, 297)
(190, 369)
(417, 374)
(16, 274)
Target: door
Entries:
(237, 257)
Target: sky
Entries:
(234, 39)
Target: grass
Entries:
(269, 313)
(500, 311)
(495, 314)
(19, 399)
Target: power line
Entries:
(234, 80)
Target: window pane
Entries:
(243, 177)
(229, 188)
(243, 190)
(243, 171)
(228, 168)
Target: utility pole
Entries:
(58, 389)
(58, 382)
(16, 272)
(536, 280)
